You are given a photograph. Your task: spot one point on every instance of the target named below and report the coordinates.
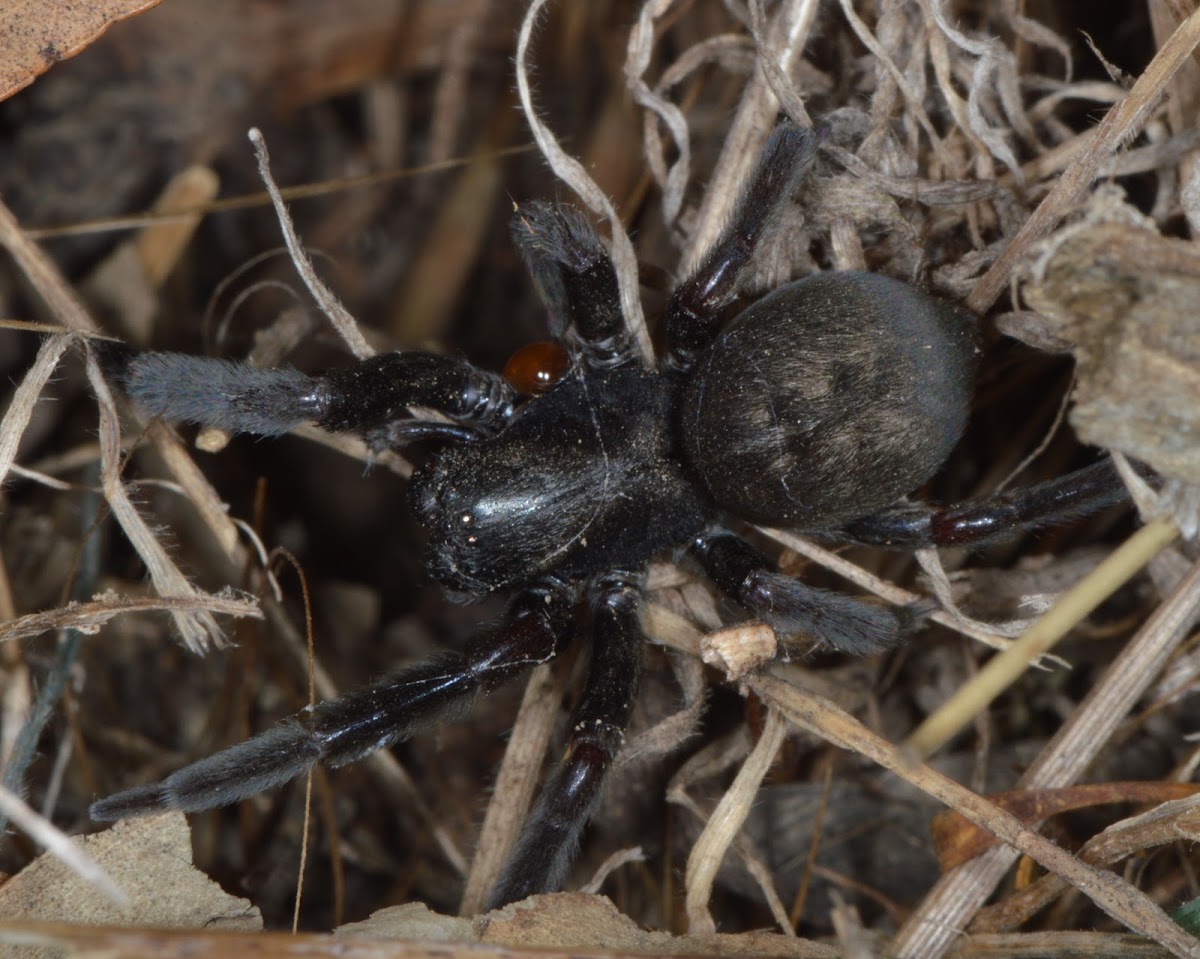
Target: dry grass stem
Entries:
(573, 174)
(823, 718)
(331, 306)
(670, 733)
(44, 276)
(620, 858)
(160, 249)
(516, 782)
(755, 116)
(1119, 125)
(951, 903)
(1003, 669)
(197, 629)
(723, 825)
(912, 97)
(89, 617)
(708, 763)
(1175, 821)
(671, 180)
(20, 410)
(337, 185)
(774, 63)
(990, 634)
(1116, 897)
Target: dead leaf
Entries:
(36, 34)
(1125, 297)
(151, 861)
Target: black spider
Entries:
(816, 409)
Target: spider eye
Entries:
(533, 369)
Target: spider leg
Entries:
(575, 279)
(917, 525)
(366, 397)
(693, 314)
(789, 606)
(338, 731)
(550, 839)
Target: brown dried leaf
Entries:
(36, 34)
(1166, 823)
(956, 840)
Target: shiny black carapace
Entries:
(815, 409)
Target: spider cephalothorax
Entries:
(815, 409)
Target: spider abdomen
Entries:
(829, 399)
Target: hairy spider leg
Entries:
(369, 397)
(988, 518)
(694, 311)
(539, 621)
(788, 606)
(550, 839)
(576, 281)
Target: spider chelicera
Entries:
(815, 409)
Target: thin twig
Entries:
(947, 907)
(1070, 609)
(724, 823)
(756, 115)
(338, 315)
(1119, 125)
(572, 173)
(516, 782)
(55, 682)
